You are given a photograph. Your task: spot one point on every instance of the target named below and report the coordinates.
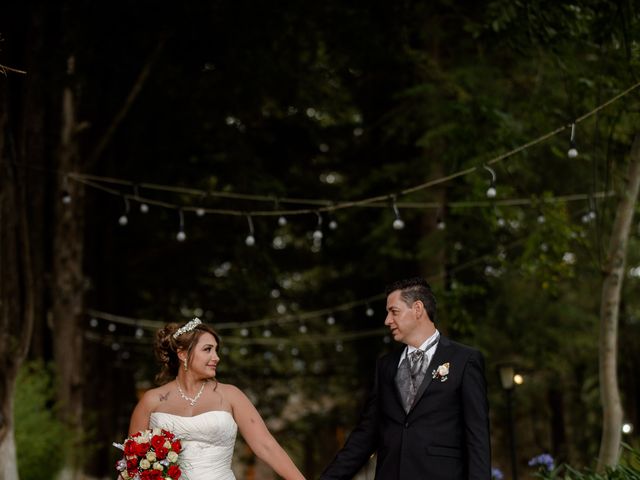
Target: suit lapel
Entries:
(440, 357)
(391, 371)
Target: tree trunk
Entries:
(16, 285)
(609, 310)
(68, 280)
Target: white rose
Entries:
(145, 464)
(443, 370)
(157, 431)
(151, 456)
(158, 466)
(167, 445)
(172, 457)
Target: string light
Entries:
(123, 220)
(181, 236)
(398, 224)
(491, 191)
(573, 149)
(317, 234)
(330, 206)
(369, 311)
(440, 223)
(242, 328)
(282, 220)
(250, 241)
(200, 212)
(65, 195)
(144, 208)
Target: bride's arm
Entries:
(140, 416)
(255, 432)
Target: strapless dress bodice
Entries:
(207, 442)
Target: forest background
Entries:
(224, 117)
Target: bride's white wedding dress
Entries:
(207, 443)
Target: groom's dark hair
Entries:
(416, 288)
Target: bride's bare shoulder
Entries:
(155, 396)
(228, 390)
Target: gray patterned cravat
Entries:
(411, 373)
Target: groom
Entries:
(427, 414)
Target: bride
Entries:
(203, 412)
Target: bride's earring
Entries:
(185, 365)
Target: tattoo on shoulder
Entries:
(165, 396)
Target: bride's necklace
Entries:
(193, 400)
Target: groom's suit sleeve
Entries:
(476, 419)
(362, 441)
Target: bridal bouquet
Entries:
(150, 455)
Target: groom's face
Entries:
(401, 318)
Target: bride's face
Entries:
(204, 356)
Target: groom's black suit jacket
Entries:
(445, 435)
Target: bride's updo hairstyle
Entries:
(167, 347)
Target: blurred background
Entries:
(270, 167)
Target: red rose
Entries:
(176, 446)
(129, 448)
(151, 475)
(142, 449)
(161, 452)
(168, 435)
(137, 434)
(132, 463)
(157, 441)
(133, 472)
(174, 472)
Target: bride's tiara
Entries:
(187, 327)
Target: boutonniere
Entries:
(442, 372)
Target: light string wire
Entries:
(412, 205)
(327, 205)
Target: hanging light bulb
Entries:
(124, 219)
(200, 212)
(440, 223)
(65, 196)
(573, 149)
(139, 332)
(250, 241)
(398, 224)
(491, 191)
(181, 236)
(331, 320)
(144, 208)
(369, 312)
(317, 234)
(282, 220)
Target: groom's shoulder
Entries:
(462, 348)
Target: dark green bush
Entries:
(41, 439)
